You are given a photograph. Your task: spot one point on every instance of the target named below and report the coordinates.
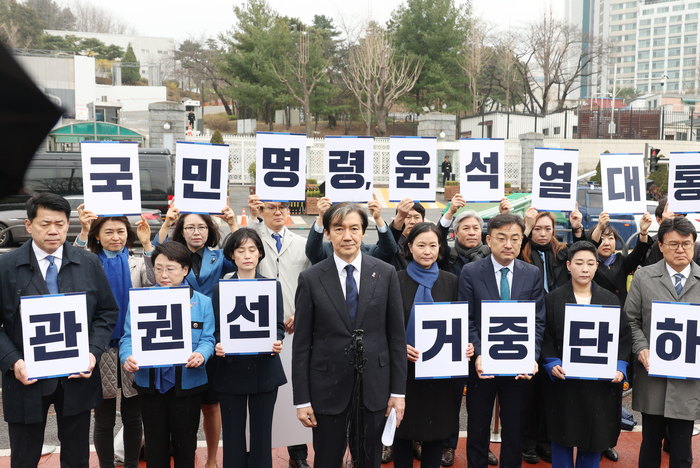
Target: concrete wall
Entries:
(132, 98)
(431, 125)
(159, 113)
(84, 80)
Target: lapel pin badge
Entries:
(373, 274)
(213, 259)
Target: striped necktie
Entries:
(678, 285)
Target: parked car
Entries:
(17, 233)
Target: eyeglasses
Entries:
(687, 245)
(274, 209)
(513, 240)
(171, 270)
(191, 229)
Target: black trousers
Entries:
(103, 434)
(73, 432)
(298, 452)
(535, 428)
(452, 440)
(481, 395)
(330, 443)
(680, 432)
(233, 422)
(167, 419)
(431, 453)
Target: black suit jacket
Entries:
(81, 271)
(321, 371)
(243, 375)
(477, 283)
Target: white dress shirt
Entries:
(685, 273)
(43, 263)
(497, 270)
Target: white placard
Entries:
(280, 161)
(111, 182)
(349, 166)
(482, 169)
(674, 344)
(55, 335)
(591, 336)
(508, 337)
(624, 189)
(82, 113)
(412, 168)
(442, 337)
(161, 326)
(201, 177)
(554, 174)
(684, 182)
(248, 315)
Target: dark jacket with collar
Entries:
(557, 263)
(400, 263)
(81, 271)
(322, 372)
(244, 375)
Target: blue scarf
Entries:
(610, 260)
(426, 279)
(116, 265)
(165, 376)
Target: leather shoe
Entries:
(299, 464)
(448, 456)
(530, 456)
(611, 454)
(387, 454)
(666, 446)
(417, 449)
(545, 455)
(492, 460)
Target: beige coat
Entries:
(672, 398)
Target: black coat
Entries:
(614, 277)
(400, 263)
(581, 413)
(432, 411)
(244, 375)
(322, 372)
(556, 263)
(81, 271)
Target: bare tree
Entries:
(303, 74)
(90, 17)
(202, 58)
(552, 59)
(506, 55)
(373, 70)
(475, 57)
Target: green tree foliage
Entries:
(204, 59)
(217, 138)
(260, 39)
(660, 177)
(433, 30)
(52, 15)
(130, 74)
(19, 25)
(109, 52)
(597, 178)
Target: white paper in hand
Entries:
(389, 429)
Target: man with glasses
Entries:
(663, 402)
(285, 258)
(500, 276)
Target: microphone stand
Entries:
(356, 417)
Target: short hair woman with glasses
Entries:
(200, 234)
(172, 396)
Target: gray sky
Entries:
(181, 19)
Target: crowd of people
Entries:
(331, 289)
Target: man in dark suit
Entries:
(446, 170)
(49, 265)
(500, 276)
(329, 308)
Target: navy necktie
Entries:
(278, 239)
(678, 285)
(544, 265)
(52, 275)
(505, 289)
(351, 294)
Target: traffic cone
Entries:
(288, 223)
(244, 219)
(189, 129)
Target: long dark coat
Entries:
(432, 409)
(614, 277)
(80, 271)
(581, 413)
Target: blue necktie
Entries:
(278, 239)
(544, 264)
(52, 275)
(505, 289)
(351, 294)
(679, 286)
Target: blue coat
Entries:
(214, 267)
(244, 375)
(202, 342)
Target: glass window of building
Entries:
(673, 86)
(675, 52)
(647, 12)
(689, 62)
(659, 53)
(660, 20)
(675, 19)
(643, 66)
(674, 74)
(659, 30)
(690, 50)
(630, 58)
(691, 27)
(659, 64)
(662, 10)
(691, 16)
(688, 84)
(643, 54)
(660, 41)
(674, 40)
(629, 48)
(678, 7)
(618, 6)
(616, 27)
(616, 17)
(674, 63)
(674, 29)
(643, 88)
(642, 76)
(631, 26)
(644, 44)
(645, 22)
(692, 39)
(645, 32)
(631, 15)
